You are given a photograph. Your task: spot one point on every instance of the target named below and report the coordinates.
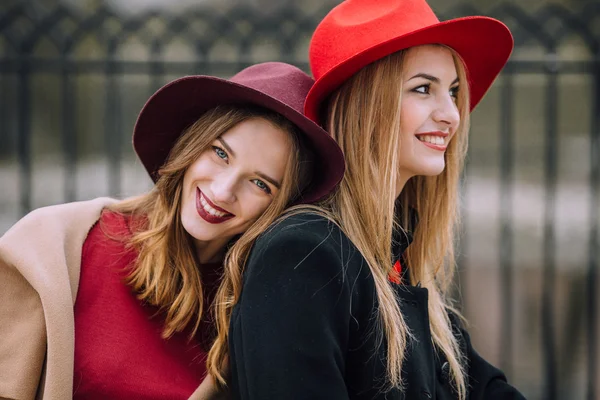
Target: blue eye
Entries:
(220, 153)
(262, 186)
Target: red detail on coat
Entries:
(395, 275)
(119, 351)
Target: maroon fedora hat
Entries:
(276, 86)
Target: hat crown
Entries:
(276, 79)
(362, 24)
(357, 33)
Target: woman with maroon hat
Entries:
(108, 299)
(335, 303)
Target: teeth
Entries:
(209, 209)
(437, 140)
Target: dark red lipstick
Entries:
(208, 217)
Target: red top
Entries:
(119, 352)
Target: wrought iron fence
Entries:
(71, 85)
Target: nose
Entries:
(223, 188)
(446, 113)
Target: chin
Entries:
(432, 170)
(196, 227)
(194, 231)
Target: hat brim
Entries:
(484, 44)
(179, 104)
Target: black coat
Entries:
(305, 326)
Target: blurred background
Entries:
(75, 73)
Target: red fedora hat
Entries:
(358, 32)
(276, 86)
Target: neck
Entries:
(403, 177)
(211, 251)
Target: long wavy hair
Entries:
(363, 116)
(166, 272)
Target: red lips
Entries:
(208, 217)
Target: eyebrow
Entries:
(269, 179)
(431, 78)
(229, 150)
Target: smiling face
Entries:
(233, 182)
(429, 116)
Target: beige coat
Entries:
(40, 260)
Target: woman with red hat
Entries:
(108, 299)
(335, 303)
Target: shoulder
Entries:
(60, 216)
(44, 231)
(303, 229)
(305, 246)
(118, 225)
(302, 235)
(110, 229)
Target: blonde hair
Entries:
(364, 118)
(166, 273)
